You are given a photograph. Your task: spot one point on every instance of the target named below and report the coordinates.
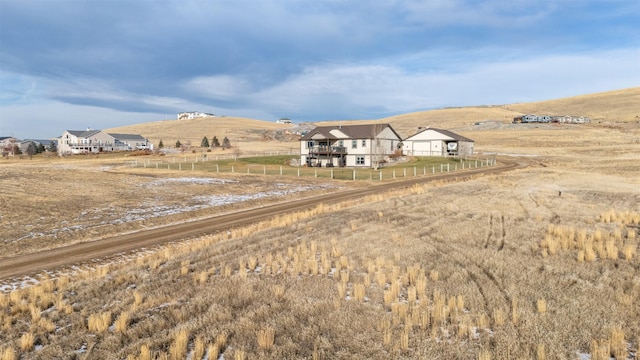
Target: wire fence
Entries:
(208, 165)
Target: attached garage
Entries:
(437, 142)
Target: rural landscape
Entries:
(529, 249)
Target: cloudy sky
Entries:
(73, 64)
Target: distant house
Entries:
(348, 145)
(437, 142)
(283, 121)
(97, 141)
(6, 145)
(192, 115)
(7, 141)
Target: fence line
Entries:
(387, 173)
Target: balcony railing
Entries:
(338, 150)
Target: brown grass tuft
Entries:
(99, 323)
(26, 341)
(266, 338)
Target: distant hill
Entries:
(613, 106)
(238, 130)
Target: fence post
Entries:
(331, 174)
(354, 174)
(404, 172)
(315, 172)
(424, 170)
(441, 165)
(298, 171)
(476, 162)
(415, 171)
(217, 168)
(394, 173)
(232, 170)
(280, 170)
(248, 170)
(264, 169)
(157, 165)
(433, 169)
(380, 175)
(179, 166)
(456, 169)
(447, 167)
(193, 166)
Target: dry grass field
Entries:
(536, 263)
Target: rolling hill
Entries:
(607, 107)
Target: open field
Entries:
(536, 263)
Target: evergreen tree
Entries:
(53, 146)
(40, 149)
(16, 150)
(226, 144)
(31, 149)
(160, 144)
(204, 143)
(178, 144)
(215, 142)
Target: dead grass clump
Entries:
(359, 292)
(178, 348)
(626, 217)
(629, 251)
(198, 348)
(46, 324)
(26, 341)
(8, 354)
(484, 355)
(266, 338)
(213, 351)
(239, 354)
(540, 353)
(122, 322)
(99, 323)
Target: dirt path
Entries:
(30, 264)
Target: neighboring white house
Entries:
(437, 142)
(192, 115)
(97, 141)
(283, 121)
(349, 145)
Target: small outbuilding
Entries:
(437, 142)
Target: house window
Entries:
(360, 160)
(309, 144)
(364, 143)
(354, 144)
(340, 143)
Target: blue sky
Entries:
(73, 64)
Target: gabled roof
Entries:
(443, 132)
(364, 131)
(128, 137)
(83, 133)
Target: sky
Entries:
(77, 64)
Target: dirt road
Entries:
(30, 264)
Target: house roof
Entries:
(443, 132)
(364, 131)
(83, 133)
(129, 137)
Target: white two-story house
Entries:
(367, 145)
(97, 141)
